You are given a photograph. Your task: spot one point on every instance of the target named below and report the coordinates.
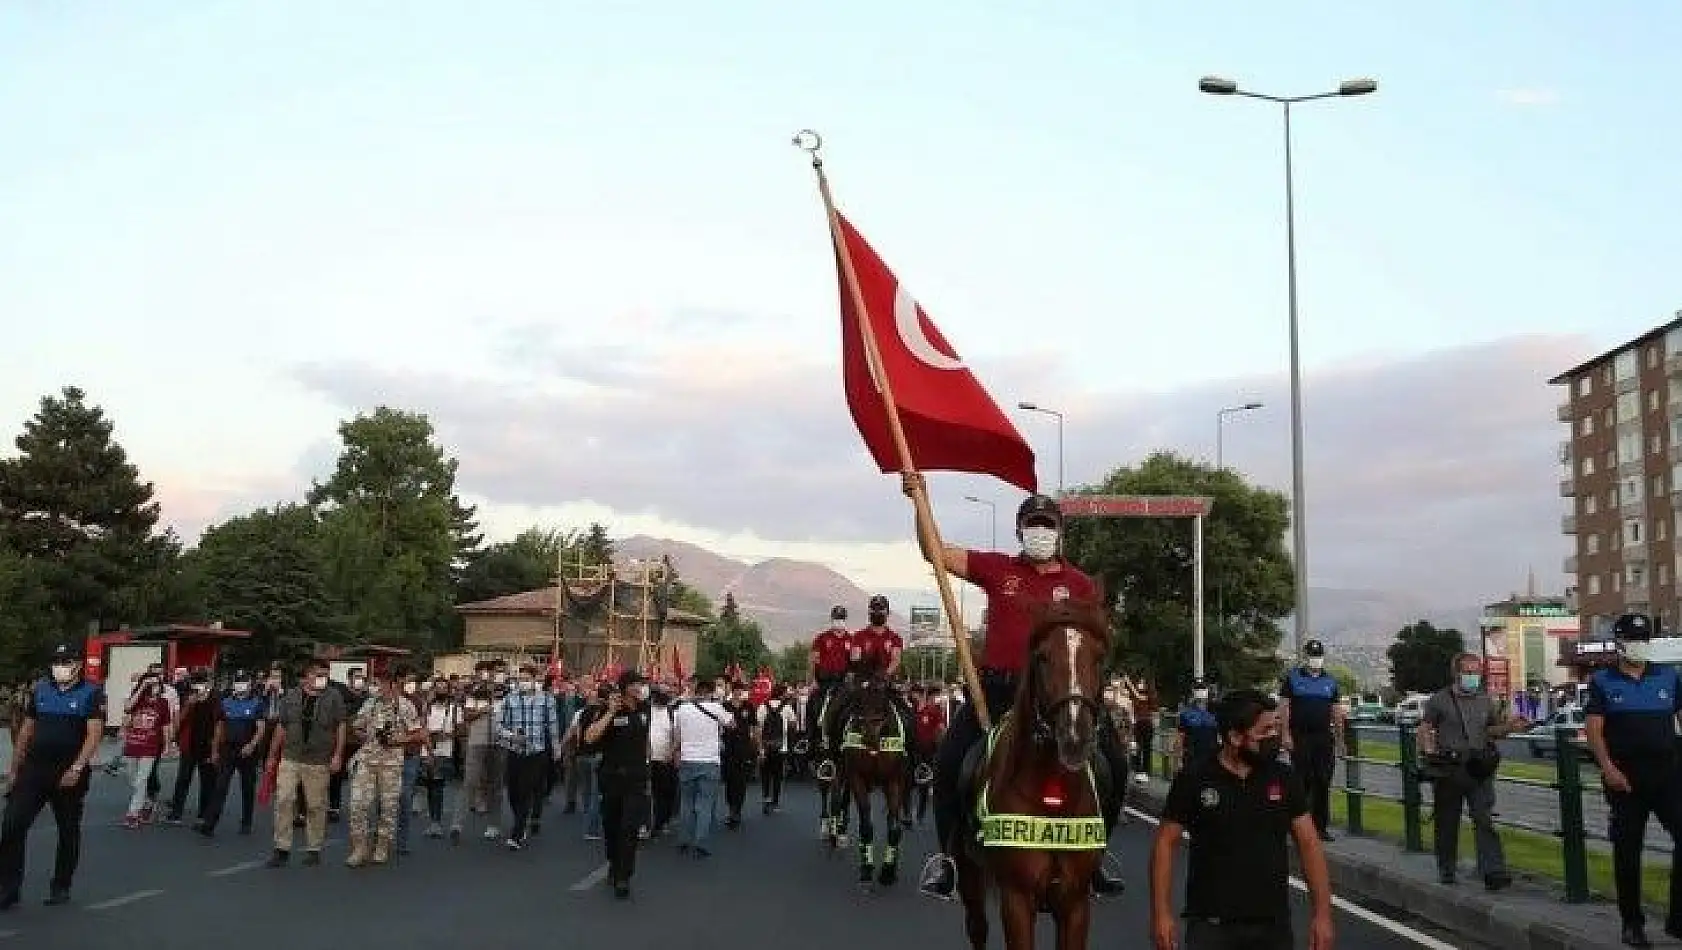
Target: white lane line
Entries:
(9, 934)
(237, 868)
(1354, 910)
(125, 899)
(592, 879)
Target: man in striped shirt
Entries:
(530, 729)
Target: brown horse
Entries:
(1036, 832)
(873, 749)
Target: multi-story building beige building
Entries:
(1621, 467)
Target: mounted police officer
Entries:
(1632, 715)
(1309, 704)
(1014, 584)
(873, 656)
(63, 722)
(831, 653)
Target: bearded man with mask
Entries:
(63, 722)
(1015, 585)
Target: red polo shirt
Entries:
(1014, 587)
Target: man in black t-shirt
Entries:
(1241, 807)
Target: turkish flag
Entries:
(951, 424)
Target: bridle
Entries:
(1045, 703)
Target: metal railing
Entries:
(1555, 807)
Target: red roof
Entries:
(542, 602)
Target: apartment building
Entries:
(1621, 470)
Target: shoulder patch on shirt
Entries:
(1209, 797)
(1275, 791)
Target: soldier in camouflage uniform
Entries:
(386, 721)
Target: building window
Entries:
(1660, 530)
(1664, 575)
(1585, 384)
(1606, 375)
(1590, 504)
(1673, 341)
(1652, 400)
(1609, 418)
(1658, 486)
(1587, 465)
(1632, 532)
(1611, 461)
(1624, 365)
(1612, 500)
(1631, 488)
(1585, 425)
(1635, 576)
(1592, 545)
(1594, 585)
(1629, 407)
(1652, 356)
(1655, 445)
(1617, 582)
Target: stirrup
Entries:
(923, 774)
(938, 864)
(825, 772)
(801, 747)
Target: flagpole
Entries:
(928, 533)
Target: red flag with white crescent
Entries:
(951, 423)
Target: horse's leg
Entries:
(972, 891)
(867, 830)
(1073, 914)
(1017, 910)
(894, 793)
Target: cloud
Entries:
(1434, 473)
(1528, 97)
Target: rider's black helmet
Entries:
(1313, 648)
(1632, 627)
(878, 602)
(838, 612)
(1039, 510)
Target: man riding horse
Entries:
(873, 658)
(1014, 584)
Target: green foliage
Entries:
(1421, 657)
(29, 620)
(731, 640)
(1146, 568)
(1347, 683)
(72, 503)
(267, 572)
(690, 600)
(793, 663)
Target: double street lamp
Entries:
(1217, 86)
(1034, 407)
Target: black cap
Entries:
(66, 653)
(1638, 627)
(838, 612)
(878, 602)
(629, 678)
(1313, 648)
(1040, 509)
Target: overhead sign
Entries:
(925, 623)
(1135, 506)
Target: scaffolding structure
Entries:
(608, 616)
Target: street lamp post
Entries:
(1220, 425)
(1034, 407)
(1217, 86)
(993, 513)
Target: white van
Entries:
(1412, 709)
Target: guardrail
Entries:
(1363, 761)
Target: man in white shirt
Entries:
(699, 724)
(662, 755)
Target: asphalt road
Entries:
(769, 885)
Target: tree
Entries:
(1347, 683)
(793, 663)
(266, 572)
(1146, 567)
(528, 562)
(29, 621)
(1422, 657)
(690, 600)
(72, 503)
(728, 641)
(395, 534)
(730, 613)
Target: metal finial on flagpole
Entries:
(811, 143)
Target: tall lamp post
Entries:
(1221, 416)
(992, 542)
(1217, 86)
(1034, 407)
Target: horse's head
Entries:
(873, 710)
(1067, 645)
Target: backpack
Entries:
(771, 734)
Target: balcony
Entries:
(1631, 467)
(1570, 566)
(1636, 508)
(1636, 597)
(1675, 453)
(1568, 524)
(1635, 553)
(1565, 452)
(1567, 487)
(1628, 384)
(1563, 413)
(1673, 364)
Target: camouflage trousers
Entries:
(375, 784)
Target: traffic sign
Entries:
(1135, 506)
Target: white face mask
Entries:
(639, 692)
(499, 678)
(409, 689)
(1040, 544)
(63, 673)
(320, 682)
(1316, 662)
(1635, 651)
(426, 685)
(1201, 695)
(242, 687)
(358, 682)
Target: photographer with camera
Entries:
(1457, 732)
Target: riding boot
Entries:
(1105, 883)
(939, 878)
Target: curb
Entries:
(1515, 920)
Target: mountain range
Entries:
(791, 599)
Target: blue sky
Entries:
(202, 200)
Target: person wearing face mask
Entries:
(201, 715)
(529, 730)
(1200, 737)
(484, 764)
(620, 735)
(1015, 586)
(741, 754)
(237, 738)
(388, 724)
(1311, 707)
(1633, 711)
(1240, 808)
(306, 747)
(354, 693)
(63, 723)
(409, 685)
(831, 651)
(1457, 731)
(151, 683)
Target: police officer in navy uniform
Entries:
(239, 735)
(1309, 704)
(619, 734)
(63, 721)
(1200, 737)
(1632, 714)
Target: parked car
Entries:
(1370, 713)
(1542, 740)
(1411, 709)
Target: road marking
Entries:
(125, 899)
(237, 868)
(9, 934)
(1354, 910)
(592, 879)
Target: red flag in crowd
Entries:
(677, 665)
(950, 422)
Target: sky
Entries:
(577, 237)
